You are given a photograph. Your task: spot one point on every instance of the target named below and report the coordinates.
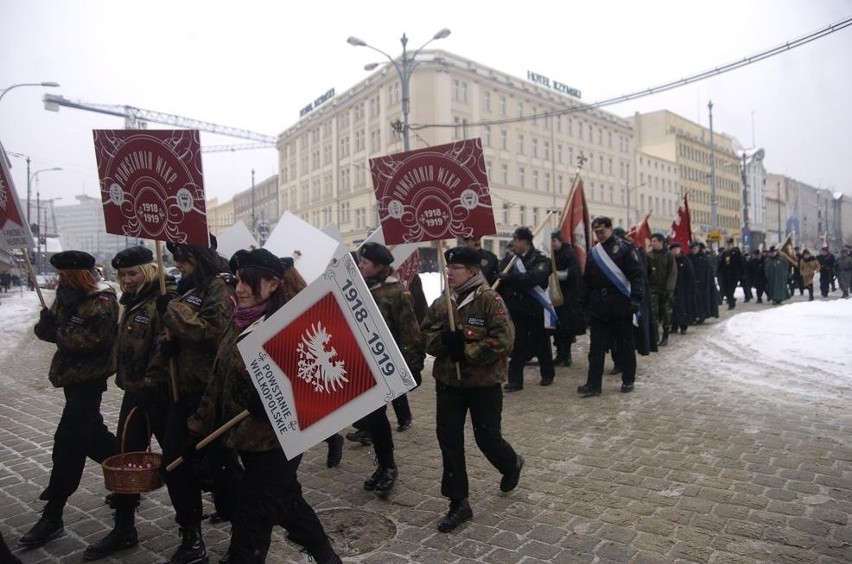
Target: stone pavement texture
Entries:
(699, 464)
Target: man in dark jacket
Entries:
(662, 277)
(827, 264)
(571, 318)
(518, 288)
(683, 311)
(729, 271)
(612, 294)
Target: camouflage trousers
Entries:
(661, 309)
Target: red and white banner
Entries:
(12, 225)
(434, 193)
(640, 233)
(682, 226)
(576, 227)
(151, 184)
(325, 359)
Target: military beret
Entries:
(375, 253)
(234, 263)
(287, 262)
(658, 236)
(462, 255)
(172, 247)
(674, 244)
(601, 221)
(132, 256)
(523, 234)
(258, 258)
(619, 231)
(72, 260)
(696, 244)
(557, 234)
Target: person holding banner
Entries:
(269, 492)
(571, 318)
(82, 322)
(196, 319)
(374, 262)
(612, 294)
(470, 364)
(145, 381)
(523, 288)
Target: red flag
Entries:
(576, 226)
(409, 268)
(640, 233)
(682, 226)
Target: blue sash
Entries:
(613, 274)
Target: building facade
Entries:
(257, 208)
(82, 227)
(532, 135)
(657, 192)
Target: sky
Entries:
(254, 64)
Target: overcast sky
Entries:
(254, 64)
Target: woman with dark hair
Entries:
(143, 379)
(196, 319)
(82, 322)
(269, 492)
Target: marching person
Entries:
(479, 347)
(571, 320)
(143, 379)
(777, 270)
(374, 262)
(827, 264)
(844, 271)
(520, 288)
(729, 270)
(488, 261)
(662, 278)
(808, 267)
(612, 292)
(683, 312)
(269, 491)
(82, 322)
(196, 319)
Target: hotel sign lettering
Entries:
(316, 103)
(558, 86)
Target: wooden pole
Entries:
(32, 274)
(172, 366)
(448, 295)
(211, 437)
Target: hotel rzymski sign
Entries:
(152, 185)
(434, 193)
(325, 359)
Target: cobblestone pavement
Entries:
(698, 465)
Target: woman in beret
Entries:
(141, 375)
(196, 318)
(82, 322)
(269, 491)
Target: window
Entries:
(535, 180)
(523, 210)
(504, 140)
(502, 105)
(546, 183)
(535, 147)
(520, 143)
(393, 93)
(505, 213)
(374, 106)
(459, 90)
(359, 140)
(375, 141)
(546, 151)
(486, 137)
(504, 173)
(559, 184)
(520, 109)
(486, 100)
(521, 177)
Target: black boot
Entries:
(323, 554)
(49, 527)
(382, 480)
(122, 537)
(459, 512)
(568, 360)
(191, 549)
(335, 450)
(665, 340)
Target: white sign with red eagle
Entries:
(325, 359)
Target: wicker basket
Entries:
(126, 473)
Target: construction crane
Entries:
(137, 118)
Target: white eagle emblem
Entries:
(316, 362)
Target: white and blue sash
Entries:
(613, 273)
(542, 297)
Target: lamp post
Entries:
(629, 191)
(30, 178)
(404, 68)
(45, 84)
(714, 202)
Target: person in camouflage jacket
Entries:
(397, 309)
(143, 379)
(269, 491)
(196, 319)
(470, 364)
(82, 322)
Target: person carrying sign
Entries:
(374, 262)
(269, 492)
(82, 322)
(479, 347)
(612, 294)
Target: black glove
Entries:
(46, 325)
(163, 302)
(635, 305)
(418, 379)
(454, 341)
(145, 398)
(46, 316)
(255, 406)
(505, 276)
(170, 348)
(189, 452)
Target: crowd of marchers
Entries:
(172, 346)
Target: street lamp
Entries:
(30, 178)
(629, 191)
(404, 68)
(45, 84)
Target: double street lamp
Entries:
(405, 68)
(45, 84)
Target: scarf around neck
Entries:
(243, 317)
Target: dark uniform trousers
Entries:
(618, 333)
(530, 335)
(183, 482)
(81, 433)
(269, 495)
(380, 431)
(486, 406)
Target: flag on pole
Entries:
(640, 233)
(576, 225)
(682, 226)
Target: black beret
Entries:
(287, 262)
(234, 263)
(674, 244)
(772, 249)
(523, 234)
(557, 234)
(462, 255)
(619, 231)
(171, 246)
(375, 253)
(658, 236)
(132, 256)
(72, 260)
(601, 221)
(258, 258)
(696, 244)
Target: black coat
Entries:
(515, 286)
(571, 315)
(683, 312)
